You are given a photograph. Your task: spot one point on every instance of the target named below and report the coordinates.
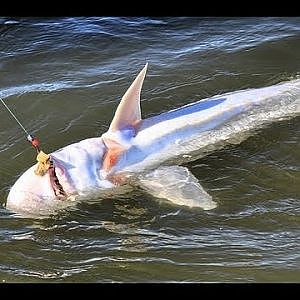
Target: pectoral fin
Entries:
(128, 112)
(178, 185)
(114, 150)
(124, 124)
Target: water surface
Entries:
(64, 78)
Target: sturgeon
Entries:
(149, 153)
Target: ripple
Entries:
(252, 236)
(36, 87)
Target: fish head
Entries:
(77, 174)
(30, 192)
(82, 168)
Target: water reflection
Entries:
(254, 233)
(129, 236)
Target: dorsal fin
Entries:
(129, 111)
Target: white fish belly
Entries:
(203, 126)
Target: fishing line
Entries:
(14, 116)
(45, 163)
(34, 141)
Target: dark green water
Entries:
(64, 77)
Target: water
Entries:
(63, 77)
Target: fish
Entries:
(150, 154)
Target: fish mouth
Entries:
(35, 194)
(61, 181)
